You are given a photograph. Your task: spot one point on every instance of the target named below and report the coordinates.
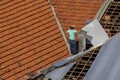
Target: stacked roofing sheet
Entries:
(30, 39)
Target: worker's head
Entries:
(72, 27)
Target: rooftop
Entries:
(76, 12)
(30, 39)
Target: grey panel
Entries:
(82, 40)
(107, 63)
(95, 33)
(59, 73)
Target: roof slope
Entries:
(76, 12)
(30, 39)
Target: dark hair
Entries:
(71, 27)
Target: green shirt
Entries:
(71, 34)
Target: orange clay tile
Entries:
(30, 39)
(76, 12)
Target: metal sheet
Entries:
(95, 33)
(59, 73)
(107, 63)
(61, 63)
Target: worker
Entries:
(88, 42)
(72, 39)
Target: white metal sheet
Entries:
(95, 33)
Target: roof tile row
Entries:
(76, 12)
(30, 39)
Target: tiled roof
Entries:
(76, 12)
(30, 39)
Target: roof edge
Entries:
(59, 25)
(102, 9)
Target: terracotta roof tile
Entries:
(30, 39)
(76, 12)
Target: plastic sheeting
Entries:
(59, 73)
(95, 33)
(107, 63)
